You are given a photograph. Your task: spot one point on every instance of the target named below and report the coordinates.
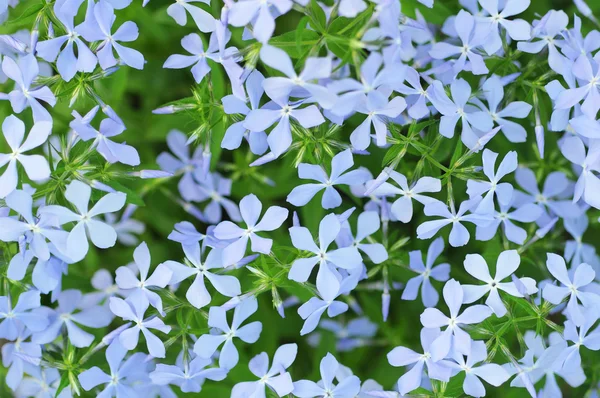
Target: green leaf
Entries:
(34, 9)
(299, 32)
(78, 149)
(391, 154)
(457, 153)
(340, 47)
(421, 392)
(317, 18)
(64, 382)
(349, 27)
(418, 127)
(454, 388)
(294, 46)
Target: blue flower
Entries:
(186, 234)
(526, 213)
(453, 337)
(540, 361)
(368, 223)
(242, 12)
(503, 191)
(38, 232)
(416, 96)
(133, 309)
(192, 43)
(459, 235)
(356, 333)
(280, 138)
(549, 31)
(552, 197)
(207, 344)
(329, 367)
(402, 356)
(111, 151)
(43, 382)
(572, 284)
(67, 64)
(507, 264)
(17, 354)
(275, 377)
(471, 39)
(182, 163)
(204, 21)
(105, 287)
(36, 166)
(456, 110)
(313, 309)
(341, 162)
(198, 294)
(66, 315)
(327, 277)
(378, 110)
(126, 226)
(576, 251)
(234, 105)
(216, 188)
(440, 272)
(101, 234)
(160, 278)
(493, 89)
(588, 184)
(402, 208)
(250, 209)
(493, 373)
(575, 43)
(351, 8)
(23, 72)
(583, 69)
(98, 27)
(279, 89)
(190, 377)
(352, 93)
(570, 357)
(517, 29)
(25, 313)
(122, 374)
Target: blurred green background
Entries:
(134, 94)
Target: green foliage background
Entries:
(134, 94)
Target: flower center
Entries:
(540, 198)
(65, 317)
(452, 323)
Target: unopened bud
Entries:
(149, 174)
(35, 34)
(381, 178)
(539, 139)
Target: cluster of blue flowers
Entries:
(356, 81)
